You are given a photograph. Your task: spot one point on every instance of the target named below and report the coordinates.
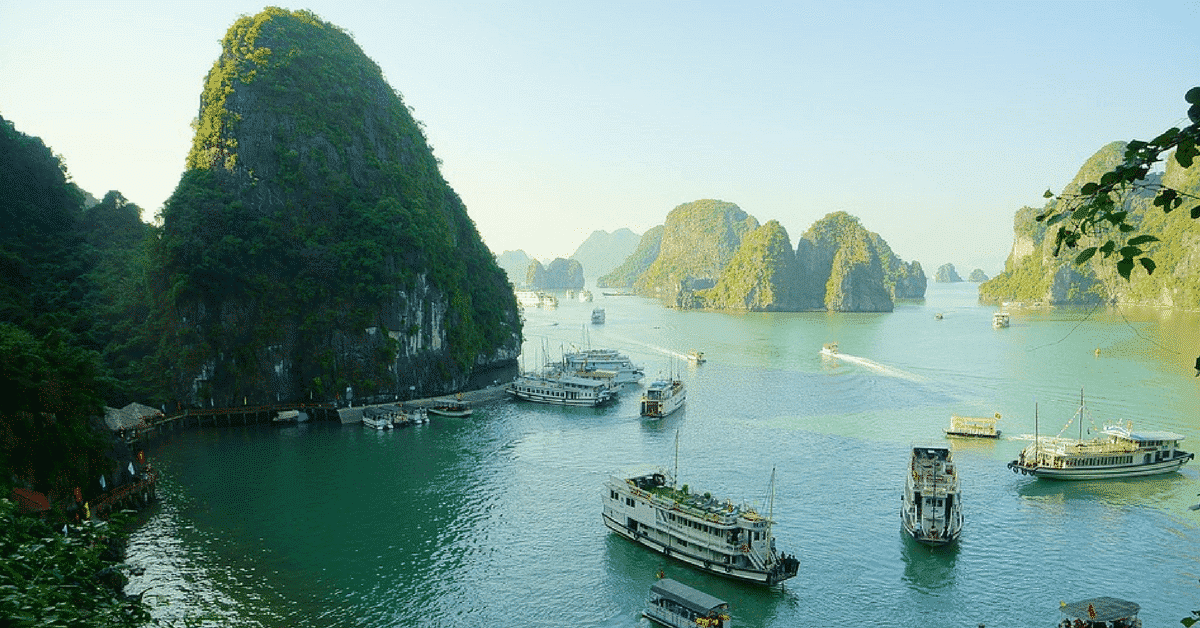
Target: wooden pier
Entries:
(151, 427)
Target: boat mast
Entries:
(1037, 442)
(675, 474)
(771, 501)
(1081, 413)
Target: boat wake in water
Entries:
(875, 366)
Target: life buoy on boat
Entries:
(745, 548)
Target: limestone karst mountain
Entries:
(602, 251)
(313, 247)
(1033, 273)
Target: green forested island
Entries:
(711, 254)
(1034, 273)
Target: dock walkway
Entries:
(470, 397)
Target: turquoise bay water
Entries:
(495, 520)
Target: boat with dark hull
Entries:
(709, 534)
(931, 507)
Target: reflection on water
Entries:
(927, 569)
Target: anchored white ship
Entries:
(703, 531)
(663, 397)
(1120, 452)
(931, 510)
(605, 360)
(561, 388)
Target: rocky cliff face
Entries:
(312, 245)
(761, 277)
(1033, 273)
(638, 262)
(515, 264)
(845, 268)
(699, 239)
(946, 273)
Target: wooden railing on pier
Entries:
(153, 426)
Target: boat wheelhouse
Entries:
(1119, 452)
(973, 427)
(560, 388)
(663, 397)
(605, 360)
(931, 507)
(677, 605)
(709, 534)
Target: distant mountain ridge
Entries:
(602, 251)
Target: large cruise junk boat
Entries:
(561, 388)
(605, 360)
(709, 534)
(663, 397)
(931, 509)
(1119, 453)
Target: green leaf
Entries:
(1124, 267)
(1192, 96)
(1185, 153)
(1142, 239)
(1167, 137)
(1196, 212)
(1048, 194)
(1125, 227)
(1108, 248)
(1148, 264)
(1130, 252)
(1089, 188)
(1117, 218)
(1194, 114)
(1085, 255)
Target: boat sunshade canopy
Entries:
(1105, 608)
(697, 601)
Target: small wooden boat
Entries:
(829, 349)
(1000, 319)
(453, 408)
(1100, 612)
(677, 605)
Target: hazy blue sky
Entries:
(931, 122)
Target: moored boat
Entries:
(663, 397)
(1120, 452)
(451, 408)
(677, 605)
(557, 387)
(973, 427)
(1000, 319)
(605, 360)
(931, 508)
(700, 530)
(598, 316)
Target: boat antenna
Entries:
(675, 474)
(1081, 413)
(771, 501)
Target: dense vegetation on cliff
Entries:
(761, 277)
(699, 239)
(1033, 271)
(312, 243)
(638, 262)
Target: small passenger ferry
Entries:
(1000, 319)
(698, 529)
(663, 397)
(1119, 453)
(973, 427)
(1100, 612)
(561, 388)
(931, 508)
(598, 316)
(676, 605)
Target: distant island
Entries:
(710, 254)
(946, 273)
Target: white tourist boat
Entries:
(377, 418)
(598, 316)
(663, 397)
(703, 531)
(1000, 319)
(973, 427)
(676, 605)
(536, 298)
(562, 388)
(931, 507)
(829, 349)
(1119, 453)
(605, 360)
(696, 357)
(585, 296)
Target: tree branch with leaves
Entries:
(1096, 214)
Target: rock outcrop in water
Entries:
(946, 273)
(561, 274)
(1033, 273)
(761, 277)
(638, 262)
(313, 246)
(845, 268)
